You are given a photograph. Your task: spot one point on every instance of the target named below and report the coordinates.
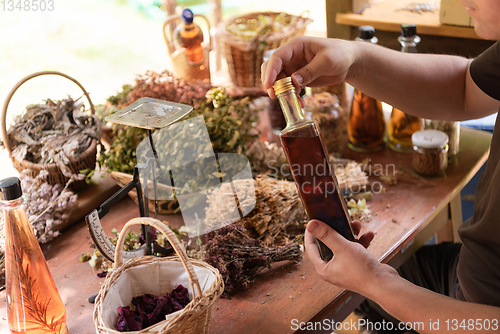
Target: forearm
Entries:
(424, 85)
(431, 312)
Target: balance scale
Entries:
(151, 114)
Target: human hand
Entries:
(352, 266)
(310, 61)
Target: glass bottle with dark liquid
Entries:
(401, 125)
(33, 303)
(366, 125)
(308, 159)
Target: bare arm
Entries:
(429, 86)
(355, 269)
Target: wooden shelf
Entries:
(388, 16)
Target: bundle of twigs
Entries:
(239, 258)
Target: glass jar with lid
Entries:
(430, 152)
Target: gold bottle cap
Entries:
(283, 85)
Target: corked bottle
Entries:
(189, 36)
(366, 125)
(401, 125)
(310, 164)
(33, 303)
(430, 148)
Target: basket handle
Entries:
(169, 38)
(193, 279)
(16, 87)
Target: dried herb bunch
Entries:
(54, 132)
(239, 258)
(278, 214)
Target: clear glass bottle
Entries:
(189, 36)
(310, 164)
(366, 125)
(401, 125)
(33, 302)
(452, 129)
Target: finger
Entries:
(312, 251)
(310, 72)
(356, 227)
(366, 239)
(301, 101)
(273, 68)
(331, 238)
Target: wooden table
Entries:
(405, 216)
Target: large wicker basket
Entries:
(85, 160)
(194, 318)
(244, 58)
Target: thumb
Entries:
(309, 73)
(331, 238)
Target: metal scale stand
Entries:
(151, 114)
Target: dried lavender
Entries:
(239, 258)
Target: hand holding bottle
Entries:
(352, 266)
(310, 61)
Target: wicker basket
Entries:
(165, 207)
(194, 318)
(183, 67)
(85, 160)
(244, 58)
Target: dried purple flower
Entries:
(102, 274)
(239, 258)
(151, 309)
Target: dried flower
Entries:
(151, 309)
(239, 258)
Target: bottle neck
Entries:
(188, 26)
(409, 44)
(14, 204)
(291, 107)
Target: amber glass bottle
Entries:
(308, 158)
(366, 125)
(33, 303)
(189, 36)
(401, 125)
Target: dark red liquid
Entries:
(315, 183)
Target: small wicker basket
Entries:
(183, 67)
(85, 160)
(194, 318)
(244, 58)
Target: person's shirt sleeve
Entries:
(485, 71)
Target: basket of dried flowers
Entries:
(141, 281)
(244, 40)
(56, 136)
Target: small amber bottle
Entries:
(189, 36)
(33, 303)
(366, 125)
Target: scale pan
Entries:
(151, 114)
